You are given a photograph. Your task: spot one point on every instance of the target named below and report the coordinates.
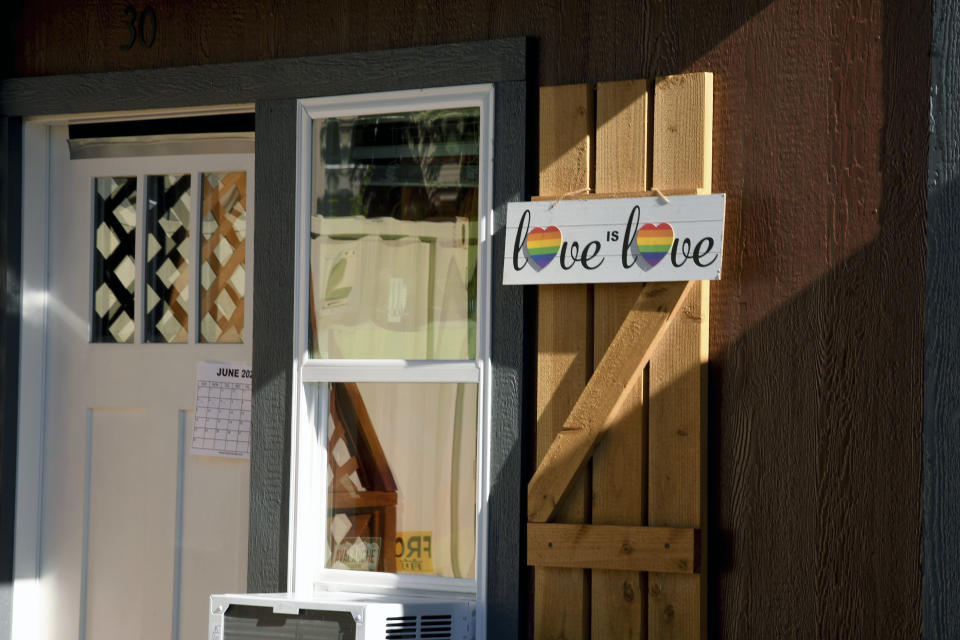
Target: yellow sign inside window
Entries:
(415, 552)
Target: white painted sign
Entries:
(221, 420)
(614, 240)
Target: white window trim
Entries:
(391, 371)
(307, 448)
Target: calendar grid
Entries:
(221, 423)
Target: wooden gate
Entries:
(616, 507)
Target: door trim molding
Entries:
(501, 60)
(23, 613)
(11, 295)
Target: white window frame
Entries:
(308, 454)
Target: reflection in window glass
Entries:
(223, 256)
(401, 478)
(114, 267)
(396, 211)
(166, 289)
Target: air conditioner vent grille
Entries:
(402, 628)
(420, 628)
(436, 627)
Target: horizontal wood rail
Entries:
(595, 546)
(624, 194)
(611, 383)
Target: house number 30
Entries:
(142, 26)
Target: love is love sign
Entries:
(614, 240)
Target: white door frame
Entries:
(33, 354)
(32, 418)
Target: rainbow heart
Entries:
(543, 244)
(654, 241)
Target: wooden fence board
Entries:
(566, 128)
(595, 546)
(683, 115)
(644, 429)
(606, 392)
(676, 603)
(566, 133)
(621, 154)
(618, 597)
(683, 132)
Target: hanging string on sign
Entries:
(570, 193)
(660, 195)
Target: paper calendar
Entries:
(221, 420)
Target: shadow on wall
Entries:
(814, 450)
(593, 41)
(11, 14)
(817, 327)
(815, 406)
(814, 458)
(578, 39)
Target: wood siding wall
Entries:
(941, 367)
(820, 142)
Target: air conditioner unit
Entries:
(340, 616)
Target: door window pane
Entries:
(223, 256)
(166, 290)
(396, 211)
(401, 478)
(114, 265)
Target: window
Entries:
(394, 268)
(162, 244)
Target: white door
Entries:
(136, 532)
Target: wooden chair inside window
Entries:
(361, 485)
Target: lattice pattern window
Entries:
(167, 257)
(142, 253)
(114, 259)
(361, 491)
(223, 255)
(401, 468)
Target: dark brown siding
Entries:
(820, 142)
